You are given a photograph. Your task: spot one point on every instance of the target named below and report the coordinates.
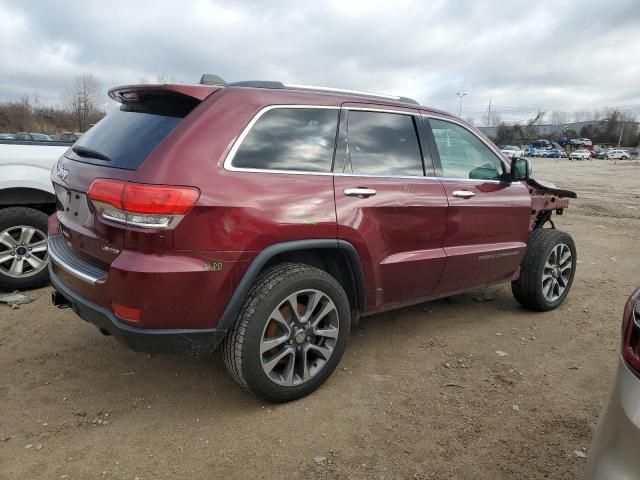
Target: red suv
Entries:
(268, 217)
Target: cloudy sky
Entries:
(520, 54)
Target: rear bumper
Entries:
(614, 451)
(185, 341)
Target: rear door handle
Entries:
(463, 194)
(359, 192)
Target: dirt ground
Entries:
(420, 393)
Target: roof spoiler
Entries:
(137, 93)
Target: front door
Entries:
(386, 206)
(488, 219)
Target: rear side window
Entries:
(296, 139)
(382, 144)
(123, 139)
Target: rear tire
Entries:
(547, 270)
(290, 334)
(31, 270)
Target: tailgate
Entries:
(114, 149)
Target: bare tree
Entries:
(558, 118)
(531, 129)
(166, 78)
(492, 118)
(83, 100)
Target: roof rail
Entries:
(210, 79)
(316, 88)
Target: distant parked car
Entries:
(7, 136)
(557, 153)
(563, 141)
(512, 151)
(542, 143)
(32, 137)
(618, 154)
(581, 141)
(67, 137)
(582, 154)
(603, 153)
(530, 152)
(614, 450)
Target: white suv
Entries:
(617, 155)
(580, 155)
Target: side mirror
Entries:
(520, 169)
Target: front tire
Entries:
(290, 334)
(23, 248)
(547, 270)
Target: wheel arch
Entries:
(28, 197)
(329, 255)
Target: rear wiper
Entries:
(89, 152)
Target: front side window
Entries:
(383, 144)
(297, 139)
(462, 154)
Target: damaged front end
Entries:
(546, 198)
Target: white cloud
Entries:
(520, 54)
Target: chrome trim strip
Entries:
(229, 159)
(400, 110)
(341, 90)
(68, 268)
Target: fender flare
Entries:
(239, 295)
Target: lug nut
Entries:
(299, 348)
(27, 256)
(308, 339)
(19, 258)
(290, 342)
(29, 249)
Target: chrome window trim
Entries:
(400, 111)
(236, 145)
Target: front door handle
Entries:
(359, 192)
(463, 194)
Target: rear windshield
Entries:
(123, 139)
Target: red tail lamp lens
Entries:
(107, 191)
(158, 200)
(142, 198)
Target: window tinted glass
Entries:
(126, 138)
(382, 144)
(300, 139)
(462, 154)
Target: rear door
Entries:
(488, 220)
(386, 206)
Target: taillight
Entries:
(631, 331)
(141, 205)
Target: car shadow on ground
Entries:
(107, 368)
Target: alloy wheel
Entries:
(23, 251)
(299, 337)
(557, 272)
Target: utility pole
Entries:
(489, 114)
(460, 95)
(620, 138)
